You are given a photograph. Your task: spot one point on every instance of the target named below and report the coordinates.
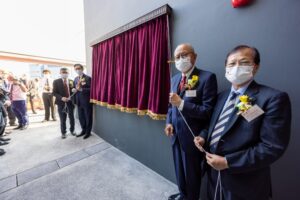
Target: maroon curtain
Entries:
(130, 70)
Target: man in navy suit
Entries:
(247, 133)
(82, 99)
(193, 96)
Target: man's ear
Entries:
(194, 58)
(255, 68)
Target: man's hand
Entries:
(174, 99)
(74, 90)
(216, 162)
(169, 130)
(7, 103)
(199, 142)
(65, 99)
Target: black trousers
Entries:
(2, 129)
(63, 112)
(30, 99)
(48, 104)
(11, 116)
(86, 118)
(188, 172)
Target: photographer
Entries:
(18, 98)
(6, 82)
(4, 101)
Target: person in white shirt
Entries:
(47, 84)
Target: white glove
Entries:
(74, 90)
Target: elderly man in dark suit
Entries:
(62, 90)
(82, 100)
(192, 97)
(249, 130)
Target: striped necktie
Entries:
(223, 120)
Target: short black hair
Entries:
(64, 69)
(46, 71)
(256, 54)
(78, 65)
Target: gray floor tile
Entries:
(69, 159)
(97, 148)
(107, 175)
(8, 183)
(37, 172)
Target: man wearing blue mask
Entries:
(82, 100)
(192, 99)
(249, 130)
(62, 90)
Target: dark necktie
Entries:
(182, 83)
(66, 88)
(47, 82)
(223, 120)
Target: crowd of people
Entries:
(16, 92)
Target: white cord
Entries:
(219, 185)
(66, 109)
(201, 148)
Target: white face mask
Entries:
(239, 74)
(183, 64)
(64, 76)
(79, 72)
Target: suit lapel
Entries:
(251, 91)
(176, 83)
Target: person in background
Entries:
(47, 95)
(32, 93)
(82, 100)
(4, 102)
(7, 82)
(24, 80)
(18, 98)
(62, 90)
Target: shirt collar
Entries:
(241, 90)
(189, 73)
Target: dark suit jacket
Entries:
(59, 91)
(251, 147)
(82, 98)
(197, 110)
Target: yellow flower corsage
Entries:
(71, 83)
(244, 104)
(192, 82)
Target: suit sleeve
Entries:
(87, 88)
(55, 91)
(274, 138)
(204, 110)
(3, 110)
(169, 115)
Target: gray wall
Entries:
(213, 27)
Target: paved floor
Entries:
(40, 165)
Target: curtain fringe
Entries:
(151, 114)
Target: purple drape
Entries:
(130, 70)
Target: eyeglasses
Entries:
(239, 63)
(182, 55)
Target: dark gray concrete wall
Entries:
(213, 27)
